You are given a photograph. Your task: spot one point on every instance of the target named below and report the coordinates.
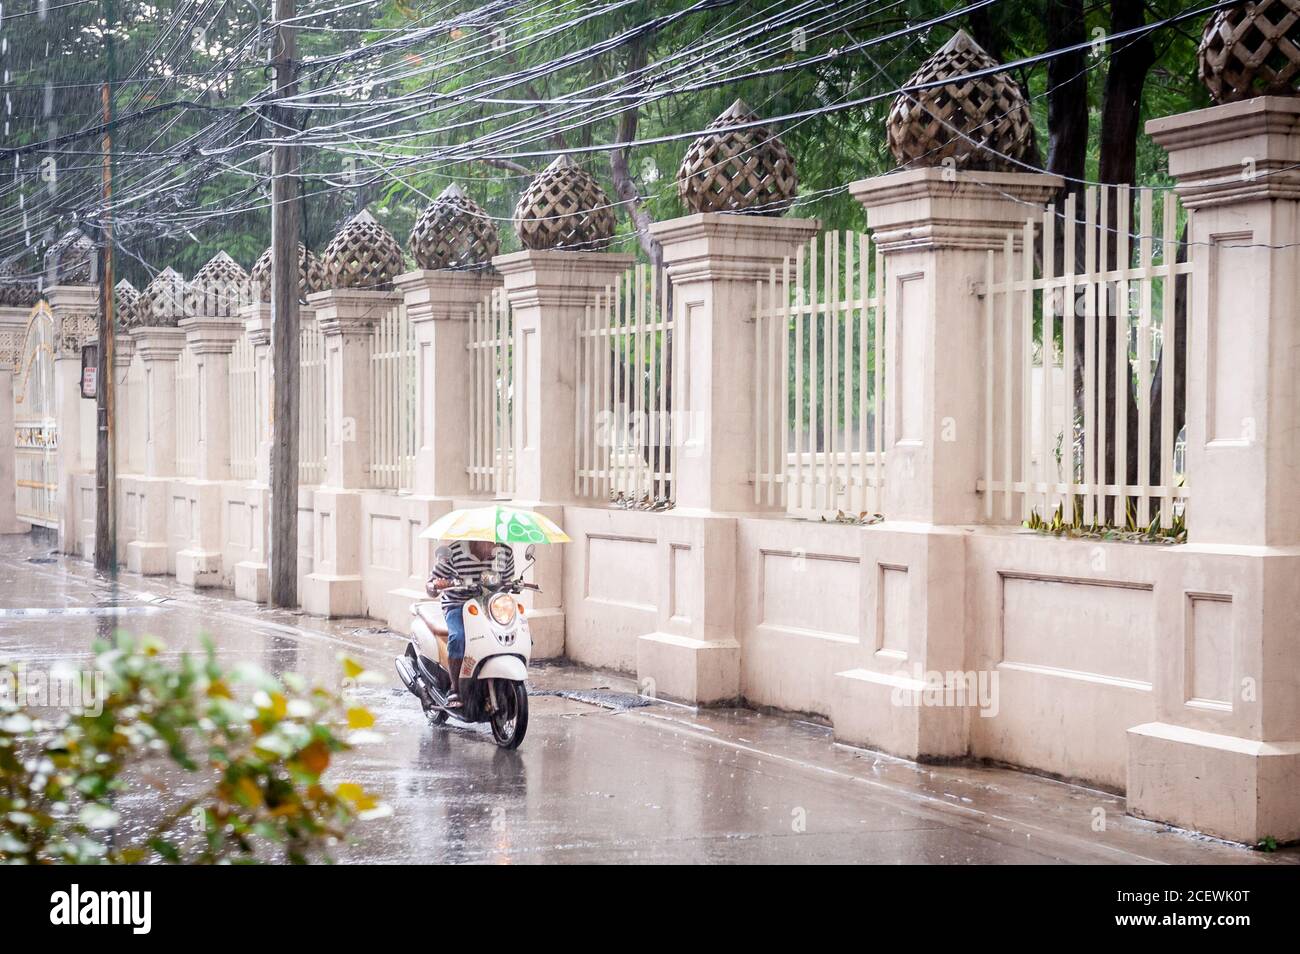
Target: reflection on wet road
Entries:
(597, 781)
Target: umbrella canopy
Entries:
(496, 525)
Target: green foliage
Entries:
(1058, 525)
(169, 51)
(251, 749)
(863, 519)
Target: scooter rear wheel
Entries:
(510, 724)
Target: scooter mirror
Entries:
(530, 552)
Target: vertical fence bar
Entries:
(1168, 350)
(880, 397)
(988, 386)
(638, 383)
(864, 394)
(651, 441)
(1047, 449)
(798, 378)
(1103, 311)
(1090, 354)
(1069, 317)
(848, 363)
(784, 458)
(1146, 230)
(1010, 371)
(1027, 363)
(1122, 369)
(776, 389)
(608, 385)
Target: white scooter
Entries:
(497, 649)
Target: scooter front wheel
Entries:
(510, 722)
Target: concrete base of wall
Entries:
(199, 568)
(889, 712)
(252, 581)
(547, 628)
(199, 563)
(672, 666)
(1222, 785)
(323, 594)
(147, 559)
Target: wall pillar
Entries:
(126, 431)
(347, 318)
(1230, 765)
(210, 340)
(439, 305)
(159, 349)
(251, 575)
(935, 229)
(75, 308)
(714, 262)
(549, 292)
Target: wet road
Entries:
(598, 783)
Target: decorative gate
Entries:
(36, 436)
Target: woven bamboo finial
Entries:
(218, 289)
(162, 303)
(564, 208)
(311, 274)
(453, 232)
(16, 289)
(730, 169)
(969, 122)
(362, 255)
(1251, 49)
(70, 260)
(126, 300)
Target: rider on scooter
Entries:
(465, 560)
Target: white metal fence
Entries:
(244, 416)
(186, 413)
(1057, 413)
(392, 401)
(624, 389)
(491, 398)
(312, 409)
(819, 378)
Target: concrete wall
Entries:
(1083, 637)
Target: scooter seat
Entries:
(431, 613)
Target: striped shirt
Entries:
(460, 563)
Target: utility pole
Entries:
(105, 439)
(285, 236)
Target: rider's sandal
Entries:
(453, 701)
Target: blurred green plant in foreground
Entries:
(251, 751)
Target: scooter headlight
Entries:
(502, 609)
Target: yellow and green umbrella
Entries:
(496, 525)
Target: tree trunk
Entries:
(1121, 113)
(1067, 152)
(992, 35)
(1067, 99)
